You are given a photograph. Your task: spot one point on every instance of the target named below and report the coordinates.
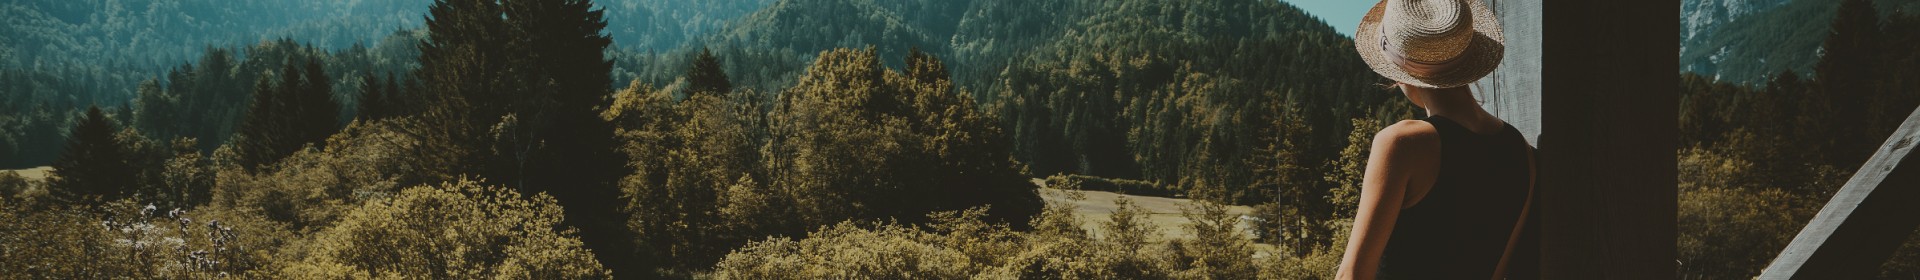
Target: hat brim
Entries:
(1482, 55)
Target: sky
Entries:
(1344, 15)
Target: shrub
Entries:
(1732, 230)
(848, 251)
(1122, 186)
(13, 186)
(456, 230)
(312, 187)
(961, 245)
(130, 240)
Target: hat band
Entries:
(1418, 69)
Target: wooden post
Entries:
(1592, 84)
(1865, 222)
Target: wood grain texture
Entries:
(1861, 226)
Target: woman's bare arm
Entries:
(1398, 152)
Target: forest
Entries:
(794, 139)
(787, 139)
(1757, 161)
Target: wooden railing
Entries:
(1855, 233)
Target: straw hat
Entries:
(1430, 43)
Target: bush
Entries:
(313, 187)
(129, 240)
(845, 251)
(457, 230)
(851, 141)
(961, 245)
(13, 186)
(1122, 186)
(1728, 228)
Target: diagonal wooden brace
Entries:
(1865, 221)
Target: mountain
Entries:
(1698, 17)
(667, 24)
(1746, 42)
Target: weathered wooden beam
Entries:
(1594, 91)
(1865, 221)
(1513, 91)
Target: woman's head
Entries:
(1430, 43)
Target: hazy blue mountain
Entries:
(1747, 41)
(666, 24)
(1698, 17)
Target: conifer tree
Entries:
(561, 50)
(94, 168)
(1845, 75)
(512, 88)
(283, 118)
(372, 97)
(319, 111)
(706, 76)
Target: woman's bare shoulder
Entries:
(1408, 136)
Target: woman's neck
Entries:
(1454, 103)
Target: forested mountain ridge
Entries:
(705, 148)
(1698, 17)
(61, 56)
(1760, 40)
(1056, 53)
(151, 33)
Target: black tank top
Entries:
(1460, 228)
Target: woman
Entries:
(1443, 196)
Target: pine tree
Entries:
(283, 118)
(254, 139)
(523, 110)
(1845, 75)
(562, 49)
(94, 168)
(706, 76)
(461, 81)
(319, 112)
(372, 98)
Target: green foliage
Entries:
(1219, 249)
(693, 193)
(1727, 229)
(1195, 105)
(853, 141)
(131, 241)
(456, 230)
(1849, 63)
(60, 56)
(313, 188)
(847, 250)
(849, 117)
(705, 76)
(961, 245)
(14, 187)
(1123, 186)
(94, 169)
(666, 24)
(287, 116)
(511, 90)
(1761, 158)
(186, 177)
(378, 98)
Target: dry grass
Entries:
(1163, 212)
(32, 174)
